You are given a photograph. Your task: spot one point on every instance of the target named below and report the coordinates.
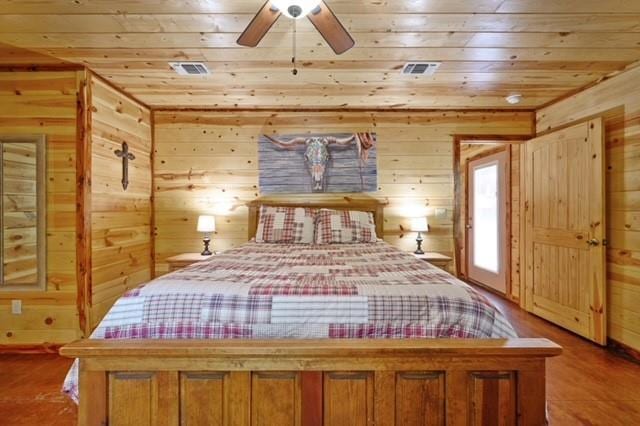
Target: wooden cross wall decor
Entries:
(126, 156)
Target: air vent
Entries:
(190, 68)
(420, 68)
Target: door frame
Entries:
(505, 202)
(458, 226)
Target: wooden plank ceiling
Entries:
(489, 49)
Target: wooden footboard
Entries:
(312, 382)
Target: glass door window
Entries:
(487, 227)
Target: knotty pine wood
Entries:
(565, 276)
(618, 99)
(120, 220)
(467, 152)
(207, 163)
(45, 103)
(489, 48)
(20, 59)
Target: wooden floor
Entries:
(30, 391)
(587, 385)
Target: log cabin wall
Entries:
(121, 246)
(470, 151)
(618, 99)
(46, 103)
(207, 162)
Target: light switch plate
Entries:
(441, 212)
(16, 307)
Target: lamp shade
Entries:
(206, 224)
(419, 224)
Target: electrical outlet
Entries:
(16, 307)
(441, 212)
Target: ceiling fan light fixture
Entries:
(295, 9)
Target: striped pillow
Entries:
(286, 225)
(345, 226)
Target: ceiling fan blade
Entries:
(331, 29)
(259, 25)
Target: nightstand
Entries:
(436, 259)
(185, 259)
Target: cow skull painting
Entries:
(349, 153)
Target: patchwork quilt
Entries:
(281, 291)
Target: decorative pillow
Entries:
(287, 225)
(344, 226)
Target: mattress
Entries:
(281, 291)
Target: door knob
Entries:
(593, 242)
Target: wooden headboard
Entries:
(372, 205)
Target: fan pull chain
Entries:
(293, 59)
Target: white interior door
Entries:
(487, 239)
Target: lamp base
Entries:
(419, 243)
(206, 251)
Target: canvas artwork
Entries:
(336, 162)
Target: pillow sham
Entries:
(287, 225)
(345, 226)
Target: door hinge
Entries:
(605, 242)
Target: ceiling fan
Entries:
(320, 15)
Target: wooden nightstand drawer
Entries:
(183, 260)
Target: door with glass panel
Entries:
(487, 236)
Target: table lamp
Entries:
(419, 225)
(206, 225)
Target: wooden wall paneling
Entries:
(207, 162)
(121, 245)
(46, 103)
(618, 101)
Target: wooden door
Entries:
(565, 229)
(487, 225)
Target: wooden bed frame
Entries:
(312, 382)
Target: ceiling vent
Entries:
(420, 68)
(190, 68)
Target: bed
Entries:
(340, 334)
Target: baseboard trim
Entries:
(44, 348)
(624, 351)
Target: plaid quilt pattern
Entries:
(286, 225)
(262, 290)
(344, 226)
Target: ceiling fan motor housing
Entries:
(294, 10)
